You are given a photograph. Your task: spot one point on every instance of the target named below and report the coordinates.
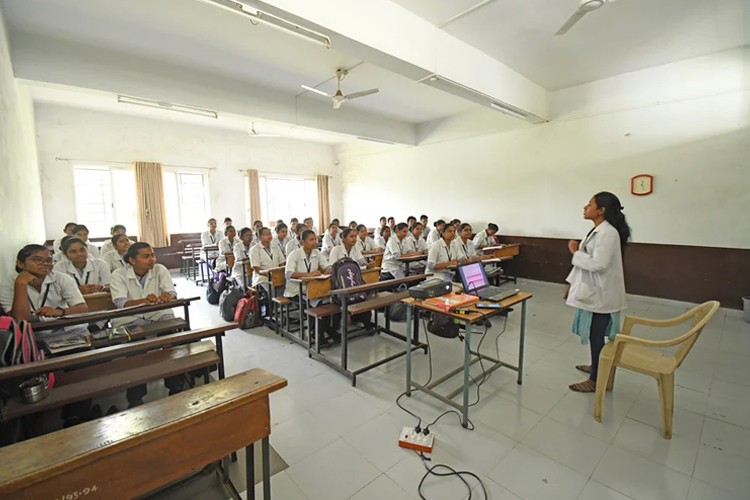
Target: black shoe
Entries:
(334, 336)
(112, 410)
(96, 412)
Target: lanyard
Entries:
(466, 250)
(308, 263)
(586, 240)
(349, 252)
(86, 282)
(281, 247)
(268, 252)
(448, 251)
(44, 299)
(400, 247)
(213, 237)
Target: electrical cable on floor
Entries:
(452, 472)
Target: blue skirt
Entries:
(582, 325)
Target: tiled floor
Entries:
(536, 441)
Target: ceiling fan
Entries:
(254, 133)
(339, 98)
(584, 7)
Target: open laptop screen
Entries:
(473, 276)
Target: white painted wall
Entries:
(85, 134)
(21, 220)
(534, 181)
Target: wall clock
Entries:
(642, 184)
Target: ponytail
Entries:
(613, 214)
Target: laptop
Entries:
(476, 282)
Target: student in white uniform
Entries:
(227, 223)
(424, 220)
(310, 225)
(464, 245)
(210, 237)
(282, 238)
(293, 223)
(384, 234)
(107, 245)
(113, 258)
(396, 247)
(415, 242)
(486, 237)
(392, 223)
(91, 275)
(294, 243)
(56, 250)
(308, 261)
(597, 280)
(330, 239)
(382, 222)
(263, 257)
(256, 227)
(364, 242)
(442, 254)
(353, 225)
(83, 232)
(410, 222)
(435, 233)
(242, 253)
(226, 249)
(349, 249)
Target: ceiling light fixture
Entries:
(507, 110)
(274, 21)
(181, 108)
(313, 89)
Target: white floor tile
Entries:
(377, 441)
(380, 489)
(597, 491)
(334, 472)
(723, 470)
(577, 411)
(700, 490)
(409, 471)
(282, 486)
(346, 412)
(494, 491)
(678, 453)
(301, 435)
(506, 417)
(532, 476)
(480, 449)
(639, 478)
(533, 396)
(726, 438)
(686, 424)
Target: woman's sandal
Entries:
(585, 386)
(584, 368)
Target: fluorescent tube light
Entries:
(372, 139)
(181, 108)
(313, 89)
(507, 110)
(274, 21)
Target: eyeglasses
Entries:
(40, 260)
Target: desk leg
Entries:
(344, 334)
(250, 471)
(409, 327)
(301, 315)
(521, 342)
(187, 314)
(220, 352)
(467, 375)
(265, 451)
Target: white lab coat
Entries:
(339, 252)
(225, 246)
(463, 250)
(265, 258)
(281, 244)
(96, 272)
(240, 252)
(440, 252)
(367, 245)
(481, 239)
(291, 246)
(413, 245)
(209, 239)
(329, 242)
(299, 262)
(433, 237)
(113, 260)
(597, 280)
(93, 250)
(393, 250)
(125, 285)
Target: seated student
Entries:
(330, 239)
(282, 238)
(396, 247)
(382, 222)
(91, 275)
(263, 257)
(256, 227)
(486, 237)
(114, 258)
(364, 242)
(456, 223)
(293, 226)
(442, 254)
(83, 232)
(424, 220)
(226, 248)
(465, 246)
(353, 225)
(309, 223)
(107, 245)
(308, 261)
(38, 293)
(410, 222)
(384, 234)
(392, 223)
(242, 253)
(227, 223)
(56, 250)
(294, 243)
(415, 241)
(435, 234)
(211, 236)
(348, 248)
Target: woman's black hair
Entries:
(70, 224)
(493, 226)
(210, 220)
(383, 217)
(445, 228)
(226, 229)
(244, 231)
(256, 222)
(346, 232)
(69, 241)
(227, 219)
(456, 221)
(261, 230)
(301, 228)
(293, 219)
(27, 252)
(613, 214)
(416, 225)
(463, 226)
(333, 224)
(438, 222)
(361, 227)
(335, 221)
(411, 217)
(279, 227)
(117, 238)
(392, 218)
(423, 216)
(80, 227)
(116, 228)
(133, 250)
(400, 226)
(305, 234)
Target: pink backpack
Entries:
(247, 313)
(18, 345)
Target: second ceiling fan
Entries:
(338, 99)
(584, 7)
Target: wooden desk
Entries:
(99, 301)
(470, 356)
(410, 259)
(134, 452)
(504, 253)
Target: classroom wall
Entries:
(69, 132)
(692, 135)
(21, 220)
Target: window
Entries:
(105, 197)
(186, 200)
(287, 197)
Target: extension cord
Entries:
(410, 438)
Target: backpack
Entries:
(228, 301)
(397, 311)
(216, 285)
(18, 345)
(345, 273)
(247, 314)
(443, 325)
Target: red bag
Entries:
(18, 345)
(247, 313)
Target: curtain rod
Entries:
(244, 171)
(57, 158)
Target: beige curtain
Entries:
(254, 191)
(324, 205)
(152, 219)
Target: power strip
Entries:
(410, 438)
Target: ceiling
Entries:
(620, 37)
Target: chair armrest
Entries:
(620, 338)
(631, 321)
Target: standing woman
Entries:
(442, 254)
(114, 258)
(226, 248)
(597, 280)
(91, 275)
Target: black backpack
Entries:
(345, 273)
(228, 301)
(216, 285)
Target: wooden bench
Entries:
(100, 301)
(136, 451)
